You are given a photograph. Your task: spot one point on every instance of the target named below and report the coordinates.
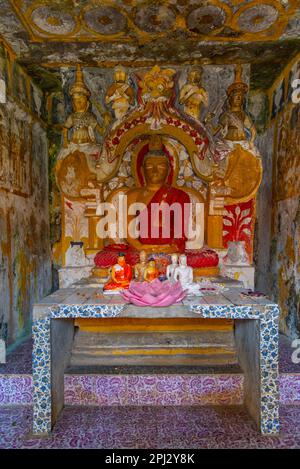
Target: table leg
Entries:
(62, 335)
(247, 342)
(269, 373)
(52, 342)
(41, 375)
(257, 344)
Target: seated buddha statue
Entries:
(151, 271)
(121, 275)
(140, 267)
(158, 233)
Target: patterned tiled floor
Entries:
(19, 361)
(142, 426)
(148, 427)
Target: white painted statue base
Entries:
(243, 273)
(69, 275)
(111, 292)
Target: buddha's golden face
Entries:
(156, 169)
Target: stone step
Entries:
(89, 340)
(155, 325)
(153, 348)
(209, 358)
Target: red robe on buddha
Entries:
(123, 276)
(154, 226)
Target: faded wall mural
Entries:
(25, 261)
(286, 204)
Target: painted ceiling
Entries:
(71, 20)
(50, 34)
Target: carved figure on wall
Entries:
(15, 150)
(235, 125)
(192, 96)
(156, 110)
(120, 95)
(82, 123)
(156, 89)
(238, 169)
(3, 147)
(74, 176)
(79, 142)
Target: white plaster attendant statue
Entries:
(184, 274)
(171, 267)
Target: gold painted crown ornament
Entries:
(156, 146)
(79, 86)
(157, 82)
(238, 84)
(155, 143)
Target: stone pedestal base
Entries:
(69, 275)
(243, 273)
(102, 275)
(200, 272)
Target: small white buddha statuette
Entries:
(171, 267)
(184, 274)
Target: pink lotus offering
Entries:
(155, 293)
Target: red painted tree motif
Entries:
(238, 224)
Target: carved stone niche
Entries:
(221, 178)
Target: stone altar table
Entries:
(256, 335)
